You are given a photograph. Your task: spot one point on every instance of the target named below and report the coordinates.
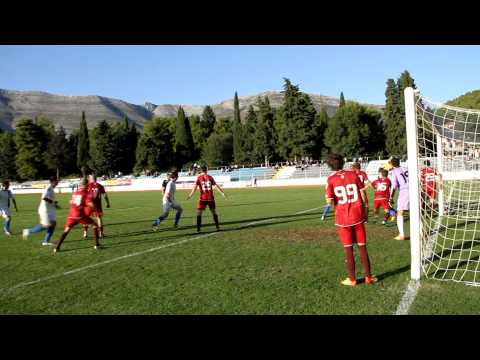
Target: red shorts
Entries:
(381, 203)
(202, 204)
(352, 235)
(98, 211)
(85, 220)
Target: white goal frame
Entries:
(444, 238)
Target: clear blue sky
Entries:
(209, 74)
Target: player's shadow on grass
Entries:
(250, 204)
(258, 222)
(387, 274)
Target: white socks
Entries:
(400, 225)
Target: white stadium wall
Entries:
(183, 183)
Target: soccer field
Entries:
(274, 256)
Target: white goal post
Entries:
(443, 145)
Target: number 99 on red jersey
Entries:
(343, 187)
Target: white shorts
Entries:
(168, 206)
(47, 218)
(4, 213)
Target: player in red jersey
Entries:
(428, 177)
(345, 191)
(96, 190)
(381, 197)
(80, 204)
(206, 184)
(357, 168)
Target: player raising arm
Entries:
(206, 183)
(345, 192)
(5, 197)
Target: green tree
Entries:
(207, 124)
(249, 134)
(395, 124)
(71, 154)
(321, 124)
(104, 162)
(223, 126)
(299, 116)
(155, 149)
(184, 148)
(264, 142)
(29, 138)
(218, 149)
(391, 115)
(56, 155)
(83, 146)
(342, 100)
(238, 133)
(198, 141)
(346, 133)
(8, 153)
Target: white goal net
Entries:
(447, 172)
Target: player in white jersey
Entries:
(169, 201)
(47, 213)
(6, 197)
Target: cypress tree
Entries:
(83, 146)
(342, 100)
(184, 148)
(238, 152)
(391, 112)
(249, 134)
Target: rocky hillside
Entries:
(66, 110)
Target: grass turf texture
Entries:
(270, 258)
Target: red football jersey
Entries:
(79, 201)
(343, 187)
(96, 191)
(362, 175)
(382, 188)
(427, 176)
(206, 183)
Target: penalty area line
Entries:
(185, 240)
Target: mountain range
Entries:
(66, 110)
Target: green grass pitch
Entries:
(274, 256)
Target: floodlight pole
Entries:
(413, 186)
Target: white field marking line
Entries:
(104, 262)
(408, 298)
(130, 255)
